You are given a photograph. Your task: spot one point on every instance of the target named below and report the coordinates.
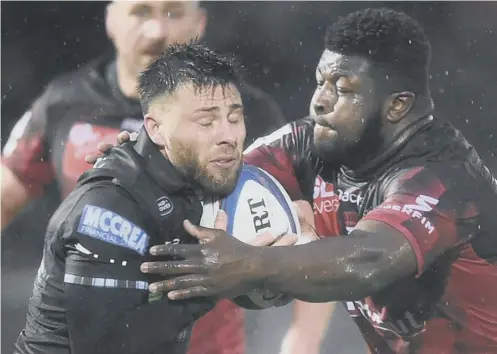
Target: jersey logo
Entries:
(107, 226)
(424, 204)
(165, 206)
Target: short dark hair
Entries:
(186, 63)
(388, 39)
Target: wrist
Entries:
(265, 266)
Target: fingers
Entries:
(264, 239)
(172, 267)
(221, 222)
(175, 250)
(92, 158)
(179, 283)
(104, 148)
(202, 233)
(123, 137)
(306, 217)
(196, 291)
(286, 240)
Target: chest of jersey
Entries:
(401, 310)
(339, 206)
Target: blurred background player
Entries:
(95, 102)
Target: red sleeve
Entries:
(279, 154)
(433, 215)
(27, 151)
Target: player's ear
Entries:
(110, 20)
(152, 127)
(201, 23)
(398, 105)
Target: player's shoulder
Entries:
(99, 197)
(84, 84)
(104, 212)
(434, 179)
(296, 134)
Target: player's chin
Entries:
(222, 183)
(323, 133)
(326, 147)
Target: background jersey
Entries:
(67, 122)
(432, 187)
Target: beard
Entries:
(355, 150)
(217, 182)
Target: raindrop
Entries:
(446, 73)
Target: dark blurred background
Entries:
(279, 43)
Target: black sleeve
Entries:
(109, 308)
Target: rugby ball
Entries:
(258, 204)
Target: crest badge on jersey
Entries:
(165, 206)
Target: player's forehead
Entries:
(189, 98)
(209, 95)
(337, 64)
(156, 5)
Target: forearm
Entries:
(332, 269)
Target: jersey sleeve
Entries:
(284, 154)
(27, 151)
(109, 309)
(434, 213)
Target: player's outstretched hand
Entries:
(306, 220)
(220, 265)
(103, 148)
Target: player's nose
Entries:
(155, 29)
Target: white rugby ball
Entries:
(257, 204)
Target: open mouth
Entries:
(225, 162)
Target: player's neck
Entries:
(128, 82)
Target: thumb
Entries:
(221, 220)
(199, 232)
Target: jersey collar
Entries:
(160, 169)
(391, 155)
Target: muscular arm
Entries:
(421, 217)
(340, 268)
